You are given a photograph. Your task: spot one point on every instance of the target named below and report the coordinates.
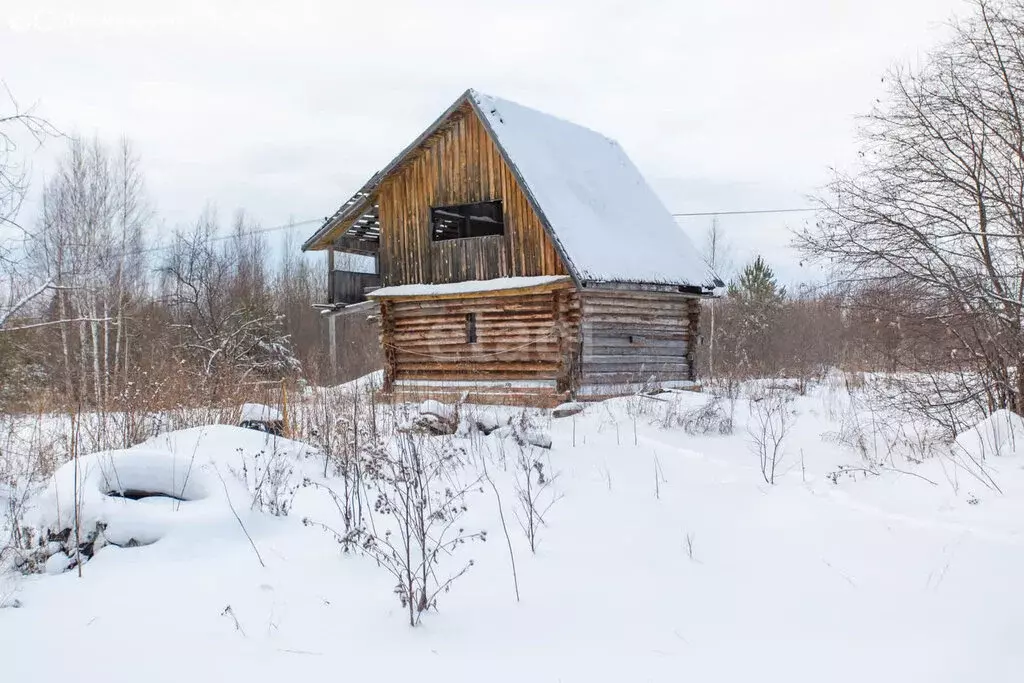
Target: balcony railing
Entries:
(347, 287)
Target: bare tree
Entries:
(937, 206)
(535, 494)
(219, 294)
(17, 126)
(769, 425)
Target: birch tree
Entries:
(716, 258)
(88, 246)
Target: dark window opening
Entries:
(466, 220)
(471, 328)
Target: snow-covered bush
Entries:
(712, 417)
(525, 429)
(269, 475)
(28, 451)
(8, 588)
(727, 388)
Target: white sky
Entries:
(286, 108)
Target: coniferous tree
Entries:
(758, 299)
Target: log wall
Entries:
(459, 164)
(528, 335)
(632, 337)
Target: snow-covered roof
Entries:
(467, 287)
(606, 219)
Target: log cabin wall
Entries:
(459, 164)
(529, 335)
(631, 337)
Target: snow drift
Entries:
(138, 496)
(1001, 434)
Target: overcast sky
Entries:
(286, 108)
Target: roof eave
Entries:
(315, 242)
(704, 290)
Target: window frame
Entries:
(465, 220)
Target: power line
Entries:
(244, 233)
(744, 213)
(311, 221)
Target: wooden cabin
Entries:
(521, 258)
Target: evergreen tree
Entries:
(757, 284)
(758, 300)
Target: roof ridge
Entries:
(496, 101)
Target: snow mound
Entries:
(257, 412)
(138, 496)
(1000, 434)
(432, 407)
(436, 418)
(113, 488)
(486, 421)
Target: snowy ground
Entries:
(667, 558)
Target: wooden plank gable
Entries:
(459, 164)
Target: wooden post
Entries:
(693, 311)
(387, 341)
(285, 431)
(330, 275)
(332, 343)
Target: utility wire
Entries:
(311, 221)
(744, 213)
(244, 233)
(802, 209)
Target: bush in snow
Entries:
(56, 551)
(418, 505)
(533, 478)
(269, 475)
(8, 588)
(770, 421)
(711, 417)
(340, 427)
(524, 429)
(534, 494)
(28, 452)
